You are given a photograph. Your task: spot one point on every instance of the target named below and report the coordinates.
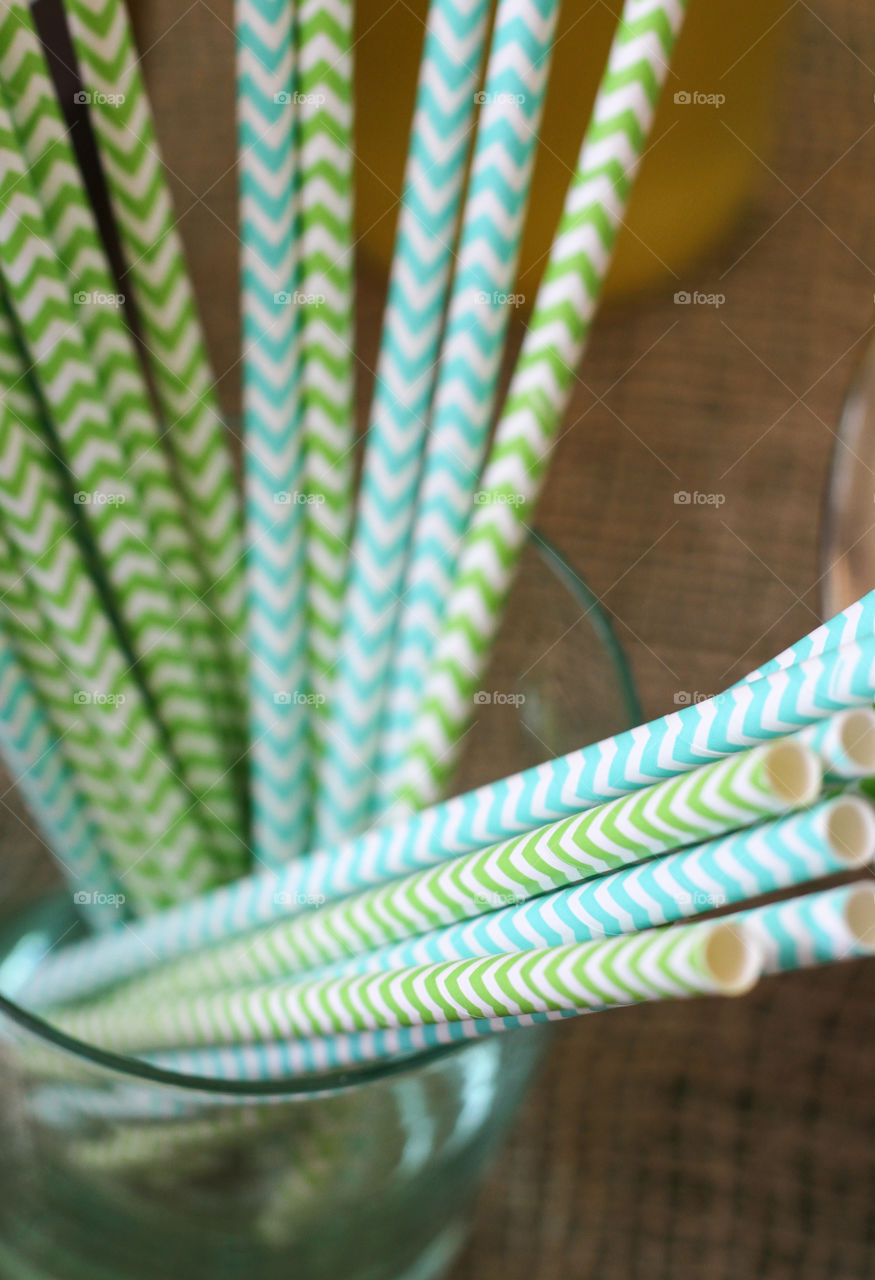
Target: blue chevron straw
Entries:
(448, 78)
(820, 928)
(673, 744)
(273, 432)
(34, 759)
(857, 622)
(817, 929)
(834, 836)
(845, 744)
(465, 393)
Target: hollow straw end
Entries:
(794, 772)
(733, 959)
(859, 914)
(849, 829)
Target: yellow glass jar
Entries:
(701, 163)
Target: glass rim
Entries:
(339, 1078)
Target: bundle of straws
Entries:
(238, 719)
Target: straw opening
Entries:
(850, 831)
(732, 960)
(860, 916)
(794, 773)
(857, 738)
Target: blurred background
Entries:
(677, 1140)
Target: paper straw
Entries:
(668, 746)
(324, 111)
(821, 928)
(104, 493)
(818, 929)
(683, 960)
(81, 670)
(37, 764)
(710, 801)
(273, 429)
(845, 744)
(856, 623)
(46, 147)
(159, 282)
(444, 111)
(835, 836)
(481, 302)
(540, 389)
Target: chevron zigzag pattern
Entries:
(552, 348)
(439, 142)
(481, 301)
(273, 432)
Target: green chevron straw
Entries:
(834, 836)
(466, 388)
(161, 289)
(821, 928)
(105, 495)
(46, 148)
(324, 112)
(412, 325)
(668, 746)
(276, 552)
(710, 801)
(540, 388)
(81, 670)
(683, 960)
(37, 763)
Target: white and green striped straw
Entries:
(818, 929)
(105, 496)
(481, 301)
(412, 325)
(668, 746)
(835, 836)
(82, 262)
(324, 113)
(276, 550)
(684, 960)
(540, 389)
(38, 766)
(715, 799)
(157, 278)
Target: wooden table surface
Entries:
(700, 1140)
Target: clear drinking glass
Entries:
(111, 1170)
(848, 539)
